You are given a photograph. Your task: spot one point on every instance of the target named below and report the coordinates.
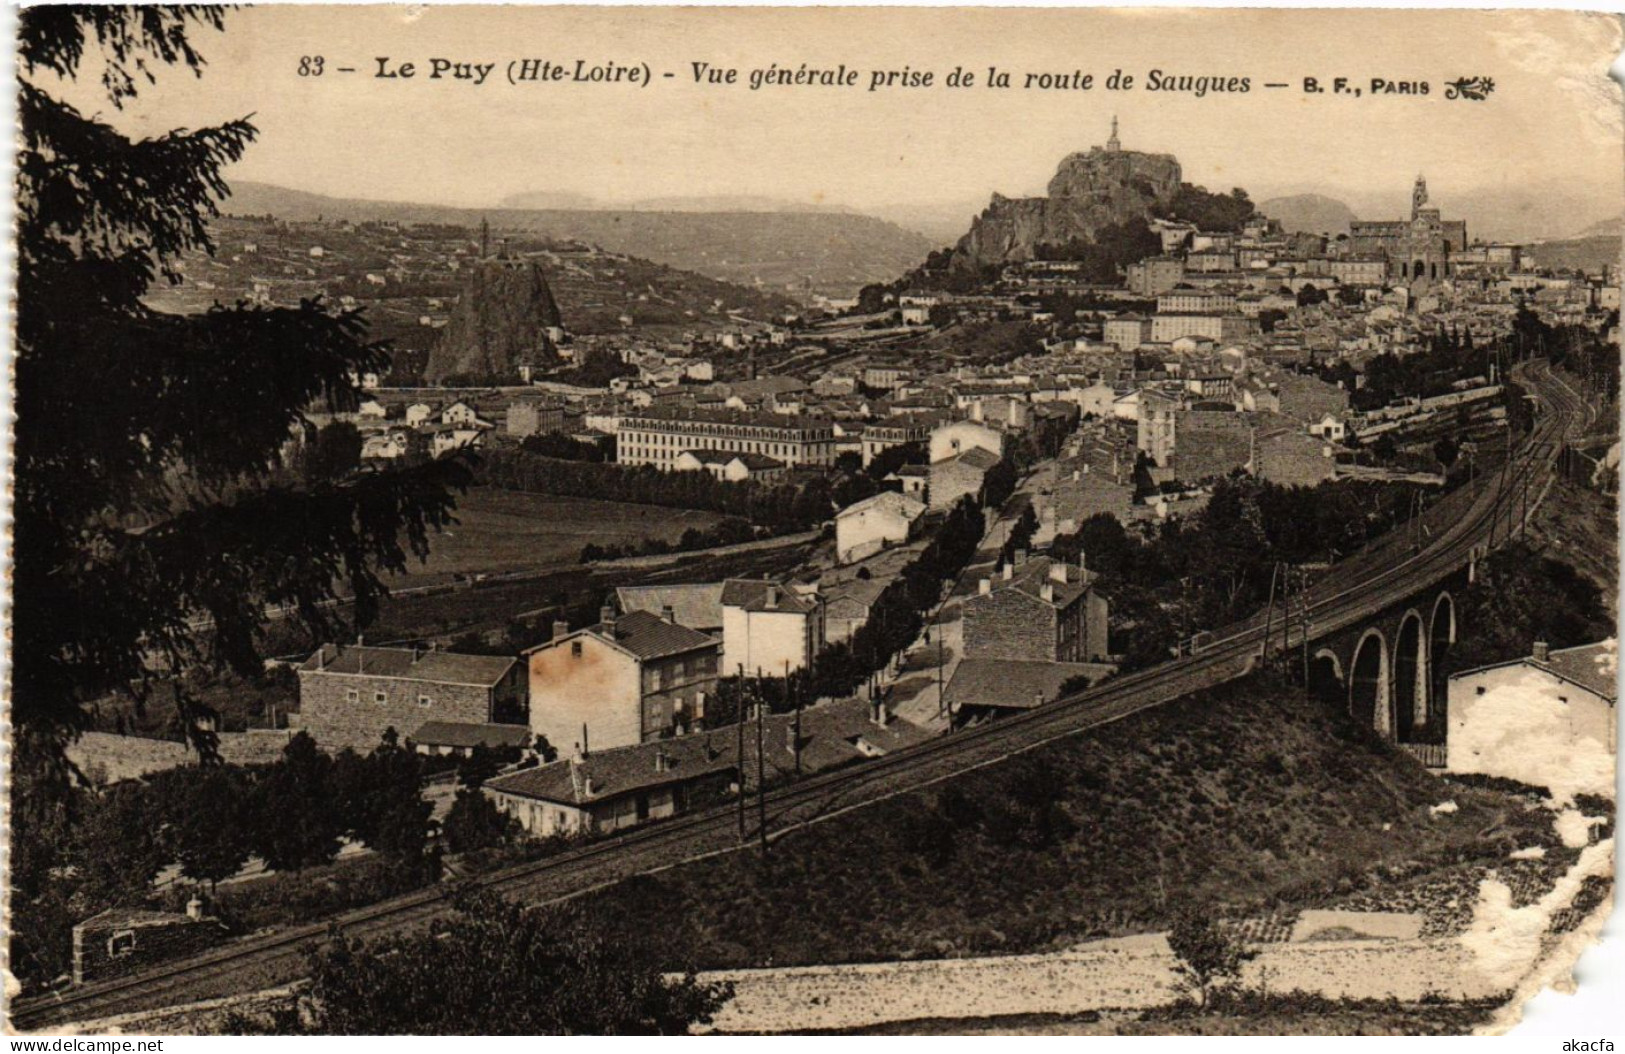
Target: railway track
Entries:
(1354, 590)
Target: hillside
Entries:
(1232, 794)
(1588, 253)
(797, 251)
(1090, 191)
(1309, 213)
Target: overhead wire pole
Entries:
(739, 751)
(761, 772)
(1269, 617)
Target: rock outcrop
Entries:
(1089, 191)
(501, 321)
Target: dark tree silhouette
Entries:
(151, 526)
(496, 969)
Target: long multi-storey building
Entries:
(659, 437)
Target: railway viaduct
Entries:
(1390, 669)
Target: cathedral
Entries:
(1418, 248)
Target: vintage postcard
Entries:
(782, 520)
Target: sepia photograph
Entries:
(913, 521)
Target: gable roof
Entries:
(832, 734)
(1591, 666)
(467, 734)
(697, 605)
(408, 664)
(755, 594)
(1014, 684)
(887, 500)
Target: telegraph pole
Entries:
(1269, 616)
(739, 750)
(761, 774)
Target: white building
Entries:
(957, 437)
(867, 527)
(769, 629)
(1547, 720)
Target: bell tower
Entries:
(1419, 195)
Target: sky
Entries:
(1552, 120)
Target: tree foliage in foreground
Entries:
(153, 525)
(497, 969)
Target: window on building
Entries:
(380, 698)
(575, 649)
(424, 700)
(351, 695)
(121, 944)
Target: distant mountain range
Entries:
(796, 250)
(1309, 213)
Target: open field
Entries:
(1247, 795)
(507, 530)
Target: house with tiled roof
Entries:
(349, 694)
(868, 526)
(607, 790)
(770, 629)
(1038, 609)
(991, 687)
(627, 679)
(1513, 718)
(697, 605)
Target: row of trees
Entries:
(1196, 572)
(731, 531)
(561, 447)
(895, 620)
(107, 847)
(771, 505)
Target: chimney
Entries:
(417, 650)
(560, 628)
(1038, 698)
(1057, 572)
(1542, 653)
(984, 587)
(668, 613)
(662, 762)
(1009, 571)
(772, 597)
(606, 615)
(321, 657)
(194, 909)
(1047, 593)
(878, 714)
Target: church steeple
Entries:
(1112, 144)
(1419, 195)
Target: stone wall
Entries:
(151, 943)
(1009, 624)
(336, 721)
(1209, 443)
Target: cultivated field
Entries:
(507, 530)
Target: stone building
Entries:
(959, 476)
(1419, 248)
(122, 941)
(1039, 610)
(349, 694)
(529, 417)
(628, 679)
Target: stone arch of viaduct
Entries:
(1390, 670)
